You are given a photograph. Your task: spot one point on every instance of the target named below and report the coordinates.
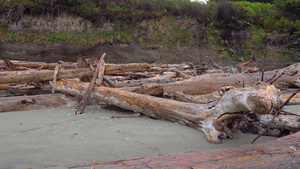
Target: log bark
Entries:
(280, 153)
(198, 116)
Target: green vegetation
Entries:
(165, 23)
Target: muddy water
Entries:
(56, 136)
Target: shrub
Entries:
(289, 6)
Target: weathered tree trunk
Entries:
(280, 153)
(198, 116)
(111, 69)
(167, 77)
(33, 65)
(45, 75)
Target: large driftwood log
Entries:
(45, 75)
(280, 153)
(47, 101)
(198, 116)
(33, 65)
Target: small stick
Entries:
(100, 67)
(272, 76)
(278, 77)
(127, 116)
(262, 75)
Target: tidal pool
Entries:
(58, 137)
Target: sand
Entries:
(58, 137)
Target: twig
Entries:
(262, 75)
(81, 106)
(272, 76)
(278, 77)
(126, 116)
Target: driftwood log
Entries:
(280, 153)
(260, 100)
(46, 75)
(45, 101)
(32, 65)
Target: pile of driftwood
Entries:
(207, 97)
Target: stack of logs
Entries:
(205, 96)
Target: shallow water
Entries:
(56, 136)
(293, 109)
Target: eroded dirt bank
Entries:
(120, 53)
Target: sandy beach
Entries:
(58, 137)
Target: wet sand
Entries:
(58, 137)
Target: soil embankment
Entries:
(167, 39)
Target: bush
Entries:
(257, 12)
(289, 6)
(227, 16)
